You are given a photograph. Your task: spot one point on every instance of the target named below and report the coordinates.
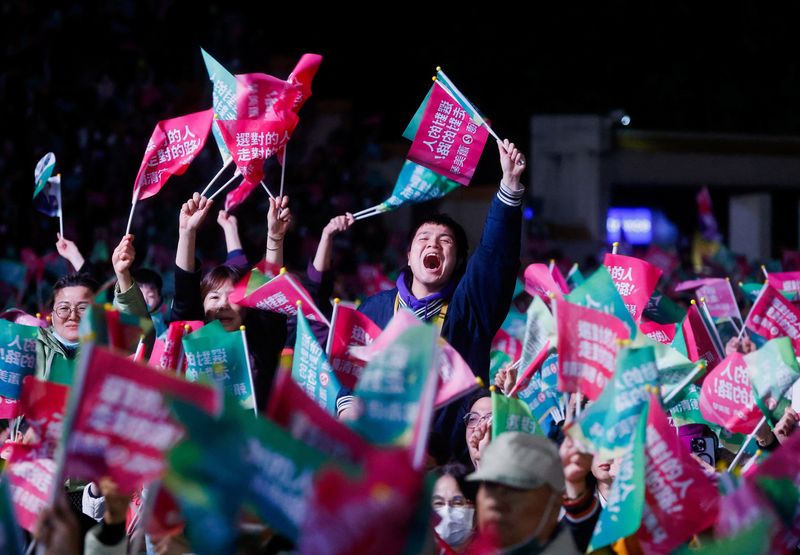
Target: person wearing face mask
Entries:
(519, 498)
(207, 297)
(453, 500)
(467, 299)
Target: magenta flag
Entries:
(349, 328)
(507, 344)
(400, 322)
(306, 421)
(727, 397)
(121, 426)
(447, 141)
(788, 282)
(172, 147)
(300, 80)
(690, 284)
(525, 378)
(257, 94)
(456, 379)
(588, 342)
(539, 282)
(663, 333)
(635, 280)
(9, 408)
(31, 465)
(719, 298)
(280, 294)
(167, 353)
(699, 343)
(772, 315)
(558, 277)
(680, 500)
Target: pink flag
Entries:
(280, 294)
(788, 282)
(447, 141)
(699, 343)
(663, 333)
(172, 147)
(349, 328)
(635, 280)
(690, 284)
(306, 421)
(680, 500)
(727, 398)
(747, 505)
(257, 93)
(300, 80)
(9, 408)
(456, 379)
(507, 344)
(719, 298)
(400, 322)
(588, 342)
(539, 282)
(525, 378)
(772, 315)
(372, 279)
(168, 352)
(31, 465)
(120, 423)
(558, 277)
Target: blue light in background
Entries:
(527, 213)
(633, 225)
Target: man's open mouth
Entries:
(431, 261)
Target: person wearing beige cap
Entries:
(518, 502)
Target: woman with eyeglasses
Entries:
(453, 500)
(57, 345)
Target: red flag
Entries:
(635, 280)
(727, 398)
(507, 344)
(172, 147)
(588, 342)
(525, 378)
(280, 294)
(456, 379)
(121, 426)
(300, 80)
(372, 279)
(772, 315)
(168, 352)
(698, 339)
(9, 408)
(257, 94)
(680, 500)
(31, 465)
(165, 517)
(788, 282)
(558, 277)
(539, 282)
(447, 141)
(349, 327)
(306, 421)
(663, 333)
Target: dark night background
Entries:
(89, 80)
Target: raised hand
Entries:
(227, 222)
(70, 251)
(480, 438)
(338, 224)
(122, 260)
(278, 218)
(512, 162)
(193, 213)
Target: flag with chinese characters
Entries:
(727, 398)
(588, 341)
(773, 370)
(541, 393)
(700, 338)
(172, 147)
(504, 350)
(223, 99)
(787, 282)
(31, 464)
(598, 292)
(107, 326)
(663, 333)
(447, 141)
(540, 330)
(680, 500)
(221, 356)
(167, 351)
(119, 424)
(391, 387)
(280, 294)
(772, 315)
(634, 279)
(539, 282)
(416, 183)
(349, 328)
(307, 422)
(17, 357)
(608, 424)
(311, 370)
(258, 93)
(456, 379)
(718, 295)
(510, 414)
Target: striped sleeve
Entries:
(509, 197)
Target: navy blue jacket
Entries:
(476, 310)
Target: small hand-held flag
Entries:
(47, 193)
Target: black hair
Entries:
(459, 235)
(146, 276)
(459, 473)
(216, 277)
(74, 280)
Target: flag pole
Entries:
(441, 75)
(329, 343)
(130, 216)
(60, 207)
(747, 441)
(214, 179)
(572, 270)
(249, 370)
(699, 367)
(267, 190)
(614, 247)
(283, 170)
(225, 186)
(764, 270)
(755, 302)
(367, 210)
(366, 215)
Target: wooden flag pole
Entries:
(214, 179)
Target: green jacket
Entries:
(50, 353)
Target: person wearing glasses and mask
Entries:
(57, 345)
(453, 500)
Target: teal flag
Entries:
(411, 129)
(222, 357)
(663, 310)
(17, 356)
(575, 278)
(599, 293)
(44, 169)
(753, 540)
(772, 370)
(391, 385)
(311, 369)
(608, 424)
(10, 533)
(223, 98)
(541, 394)
(622, 514)
(417, 184)
(512, 415)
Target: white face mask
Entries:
(456, 525)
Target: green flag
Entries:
(310, 368)
(622, 514)
(417, 183)
(599, 293)
(391, 385)
(510, 414)
(753, 540)
(105, 325)
(222, 357)
(772, 370)
(663, 310)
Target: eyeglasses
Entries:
(64, 310)
(456, 502)
(472, 419)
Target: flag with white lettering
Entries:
(280, 294)
(772, 315)
(773, 369)
(634, 279)
(727, 398)
(349, 328)
(17, 357)
(311, 370)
